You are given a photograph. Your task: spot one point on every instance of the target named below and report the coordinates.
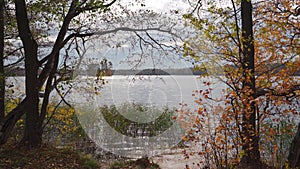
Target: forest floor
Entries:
(47, 157)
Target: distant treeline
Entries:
(182, 71)
(179, 71)
(93, 71)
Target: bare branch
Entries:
(65, 41)
(61, 96)
(13, 51)
(128, 29)
(145, 41)
(291, 93)
(54, 111)
(110, 4)
(100, 33)
(18, 61)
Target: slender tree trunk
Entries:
(249, 135)
(9, 121)
(32, 135)
(2, 75)
(294, 155)
(48, 90)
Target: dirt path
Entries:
(175, 160)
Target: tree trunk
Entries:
(32, 135)
(9, 121)
(48, 90)
(294, 155)
(2, 75)
(250, 139)
(34, 82)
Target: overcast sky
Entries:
(118, 56)
(164, 5)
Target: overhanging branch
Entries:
(100, 33)
(290, 94)
(128, 29)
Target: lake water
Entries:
(158, 91)
(150, 91)
(147, 90)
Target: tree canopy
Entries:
(256, 46)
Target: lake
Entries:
(159, 91)
(150, 91)
(154, 92)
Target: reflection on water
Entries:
(136, 138)
(155, 93)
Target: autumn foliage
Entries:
(267, 110)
